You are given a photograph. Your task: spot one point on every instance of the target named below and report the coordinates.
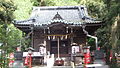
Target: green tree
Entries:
(9, 35)
(54, 2)
(110, 32)
(23, 10)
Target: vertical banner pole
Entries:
(58, 48)
(30, 66)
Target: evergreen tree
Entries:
(9, 35)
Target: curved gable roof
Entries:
(69, 15)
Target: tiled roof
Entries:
(74, 15)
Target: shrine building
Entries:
(58, 28)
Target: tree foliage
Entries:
(61, 2)
(9, 35)
(23, 9)
(6, 17)
(111, 19)
(6, 10)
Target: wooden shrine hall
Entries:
(58, 28)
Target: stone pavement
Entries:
(104, 66)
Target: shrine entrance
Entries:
(63, 47)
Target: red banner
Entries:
(26, 60)
(87, 58)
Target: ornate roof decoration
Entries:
(57, 16)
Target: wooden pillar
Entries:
(58, 42)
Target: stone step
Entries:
(54, 67)
(104, 66)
